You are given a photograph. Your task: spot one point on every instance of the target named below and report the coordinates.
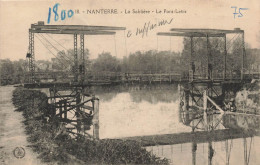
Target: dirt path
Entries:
(12, 132)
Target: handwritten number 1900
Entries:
(63, 14)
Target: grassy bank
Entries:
(58, 147)
(248, 98)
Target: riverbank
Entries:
(55, 146)
(248, 98)
(12, 132)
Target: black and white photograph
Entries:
(145, 82)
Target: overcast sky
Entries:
(17, 16)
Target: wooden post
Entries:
(60, 108)
(194, 149)
(65, 109)
(78, 111)
(180, 101)
(245, 151)
(96, 119)
(210, 153)
(53, 101)
(186, 100)
(227, 153)
(205, 100)
(205, 109)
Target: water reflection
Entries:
(228, 139)
(228, 152)
(152, 93)
(138, 110)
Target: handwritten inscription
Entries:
(62, 16)
(148, 26)
(238, 13)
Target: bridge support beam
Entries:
(52, 102)
(82, 53)
(225, 57)
(78, 100)
(82, 107)
(31, 57)
(75, 58)
(243, 56)
(209, 69)
(192, 66)
(95, 106)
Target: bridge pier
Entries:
(203, 98)
(82, 108)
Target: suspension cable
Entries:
(55, 47)
(50, 50)
(57, 42)
(60, 45)
(66, 60)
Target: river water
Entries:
(127, 111)
(139, 110)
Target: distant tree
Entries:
(106, 62)
(65, 60)
(12, 72)
(151, 62)
(7, 72)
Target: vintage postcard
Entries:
(130, 82)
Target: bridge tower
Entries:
(70, 97)
(78, 32)
(210, 69)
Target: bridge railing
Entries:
(59, 76)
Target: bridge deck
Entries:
(117, 82)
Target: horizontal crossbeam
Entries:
(76, 27)
(63, 31)
(207, 31)
(190, 34)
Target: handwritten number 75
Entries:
(62, 15)
(239, 13)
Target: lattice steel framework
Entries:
(209, 33)
(31, 57)
(75, 30)
(82, 56)
(75, 58)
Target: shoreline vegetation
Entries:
(248, 98)
(57, 147)
(148, 62)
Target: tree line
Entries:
(150, 61)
